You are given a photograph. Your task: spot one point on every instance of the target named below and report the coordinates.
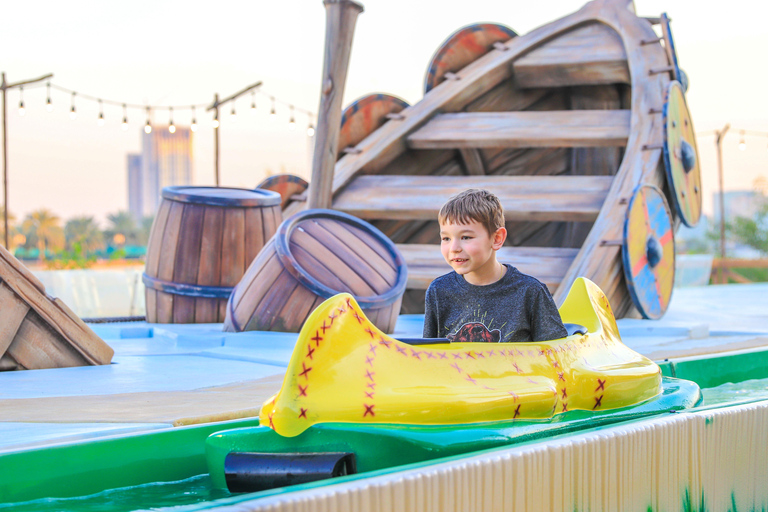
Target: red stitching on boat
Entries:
(401, 350)
(369, 394)
(456, 356)
(372, 348)
(302, 390)
(598, 402)
(565, 407)
(303, 413)
(470, 379)
(469, 354)
(310, 351)
(317, 338)
(325, 327)
(458, 368)
(359, 320)
(416, 354)
(368, 360)
(369, 409)
(517, 368)
(430, 355)
(443, 355)
(369, 331)
(384, 342)
(369, 375)
(490, 353)
(517, 411)
(306, 370)
(600, 385)
(332, 316)
(565, 395)
(561, 376)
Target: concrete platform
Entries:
(167, 375)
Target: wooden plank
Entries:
(54, 313)
(591, 54)
(37, 346)
(473, 162)
(255, 225)
(155, 244)
(577, 198)
(381, 263)
(187, 266)
(13, 311)
(209, 270)
(548, 264)
(325, 250)
(233, 264)
(387, 143)
(361, 266)
(255, 284)
(568, 128)
(167, 261)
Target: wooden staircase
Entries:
(562, 124)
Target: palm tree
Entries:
(44, 227)
(122, 223)
(83, 231)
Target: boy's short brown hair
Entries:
(473, 205)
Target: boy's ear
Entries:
(498, 238)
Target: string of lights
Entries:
(743, 134)
(148, 109)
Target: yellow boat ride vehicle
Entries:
(344, 370)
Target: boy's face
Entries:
(470, 250)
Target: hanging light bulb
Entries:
(742, 142)
(232, 113)
(21, 102)
(48, 104)
(100, 122)
(148, 125)
(125, 117)
(171, 126)
(193, 125)
(215, 122)
(310, 130)
(291, 121)
(72, 112)
(272, 113)
(253, 102)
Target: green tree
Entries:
(83, 234)
(122, 227)
(146, 229)
(43, 230)
(752, 232)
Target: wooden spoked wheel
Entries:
(364, 116)
(462, 48)
(681, 156)
(287, 185)
(648, 251)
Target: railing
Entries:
(722, 269)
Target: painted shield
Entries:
(462, 48)
(648, 251)
(287, 185)
(364, 116)
(681, 156)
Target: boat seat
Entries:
(575, 329)
(571, 328)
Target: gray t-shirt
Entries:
(517, 307)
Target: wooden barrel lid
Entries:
(364, 116)
(462, 48)
(287, 185)
(681, 156)
(330, 252)
(648, 251)
(222, 196)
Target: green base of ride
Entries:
(385, 446)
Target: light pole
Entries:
(719, 144)
(4, 86)
(216, 122)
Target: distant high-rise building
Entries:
(165, 160)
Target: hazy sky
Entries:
(180, 53)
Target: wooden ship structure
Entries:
(580, 127)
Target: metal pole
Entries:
(5, 165)
(719, 143)
(216, 136)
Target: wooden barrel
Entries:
(315, 255)
(202, 241)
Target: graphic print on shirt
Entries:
(475, 332)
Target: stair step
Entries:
(590, 55)
(529, 198)
(549, 129)
(547, 264)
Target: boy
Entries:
(483, 300)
